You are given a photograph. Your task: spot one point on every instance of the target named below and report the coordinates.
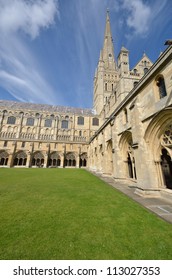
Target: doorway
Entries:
(166, 164)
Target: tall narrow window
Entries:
(64, 124)
(115, 96)
(30, 122)
(81, 120)
(5, 143)
(135, 83)
(145, 70)
(11, 120)
(48, 123)
(106, 86)
(161, 86)
(95, 121)
(23, 144)
(125, 115)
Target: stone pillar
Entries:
(10, 160)
(28, 162)
(46, 160)
(20, 126)
(62, 161)
(55, 128)
(38, 127)
(1, 121)
(77, 161)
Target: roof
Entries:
(123, 49)
(14, 105)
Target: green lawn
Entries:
(71, 214)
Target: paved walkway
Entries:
(161, 207)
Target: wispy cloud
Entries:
(140, 14)
(20, 73)
(27, 16)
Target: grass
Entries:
(71, 214)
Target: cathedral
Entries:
(127, 134)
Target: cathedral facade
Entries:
(127, 135)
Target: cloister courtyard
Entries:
(71, 214)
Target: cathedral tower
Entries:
(106, 74)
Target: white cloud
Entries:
(20, 71)
(138, 17)
(27, 16)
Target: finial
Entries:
(107, 10)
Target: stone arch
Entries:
(160, 87)
(83, 160)
(156, 129)
(54, 159)
(20, 159)
(70, 160)
(4, 158)
(158, 137)
(38, 159)
(125, 146)
(109, 157)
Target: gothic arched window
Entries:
(30, 122)
(125, 116)
(145, 70)
(11, 120)
(81, 120)
(161, 87)
(135, 83)
(167, 136)
(95, 121)
(64, 124)
(48, 123)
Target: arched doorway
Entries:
(130, 168)
(158, 136)
(20, 159)
(38, 159)
(127, 150)
(54, 160)
(166, 165)
(83, 160)
(70, 160)
(3, 158)
(109, 158)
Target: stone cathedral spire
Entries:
(108, 48)
(106, 74)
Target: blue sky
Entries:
(49, 49)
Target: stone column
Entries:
(55, 128)
(10, 160)
(77, 161)
(28, 163)
(38, 127)
(45, 160)
(62, 161)
(20, 126)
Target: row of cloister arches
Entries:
(158, 137)
(158, 143)
(122, 160)
(37, 159)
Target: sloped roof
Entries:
(14, 105)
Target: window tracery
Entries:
(166, 139)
